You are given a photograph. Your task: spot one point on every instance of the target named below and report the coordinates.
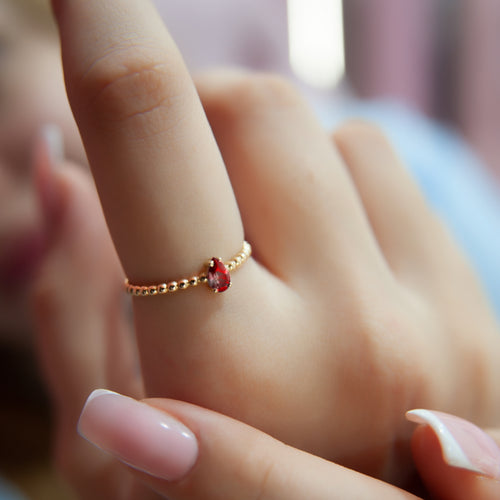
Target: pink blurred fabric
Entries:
(478, 78)
(389, 49)
(437, 56)
(248, 33)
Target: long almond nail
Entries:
(139, 435)
(463, 444)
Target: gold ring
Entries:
(216, 276)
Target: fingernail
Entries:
(139, 435)
(48, 154)
(52, 136)
(463, 444)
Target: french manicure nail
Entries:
(139, 435)
(52, 137)
(463, 444)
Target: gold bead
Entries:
(183, 284)
(234, 263)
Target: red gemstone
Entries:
(218, 277)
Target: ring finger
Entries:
(162, 183)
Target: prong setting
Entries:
(217, 277)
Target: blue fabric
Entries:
(7, 492)
(453, 179)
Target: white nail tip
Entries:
(53, 137)
(99, 392)
(453, 453)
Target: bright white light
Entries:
(316, 41)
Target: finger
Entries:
(291, 185)
(83, 338)
(402, 220)
(191, 453)
(456, 459)
(162, 182)
(83, 335)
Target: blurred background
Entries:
(426, 70)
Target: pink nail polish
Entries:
(139, 435)
(463, 444)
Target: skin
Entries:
(234, 459)
(31, 95)
(334, 328)
(76, 249)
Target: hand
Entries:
(215, 457)
(357, 305)
(83, 327)
(85, 343)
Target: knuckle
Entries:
(266, 89)
(259, 468)
(127, 83)
(359, 130)
(262, 492)
(376, 322)
(250, 94)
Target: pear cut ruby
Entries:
(218, 277)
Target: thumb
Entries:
(187, 452)
(456, 459)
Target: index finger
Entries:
(161, 179)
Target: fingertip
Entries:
(140, 435)
(463, 444)
(455, 459)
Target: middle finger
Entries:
(298, 203)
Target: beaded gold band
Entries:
(216, 276)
